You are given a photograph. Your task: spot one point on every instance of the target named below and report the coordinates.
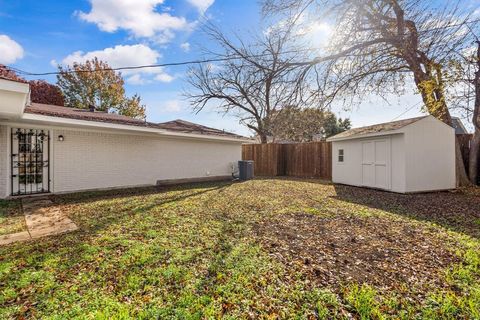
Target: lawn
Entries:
(271, 248)
(11, 217)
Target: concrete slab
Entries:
(42, 219)
(54, 230)
(14, 237)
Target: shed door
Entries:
(376, 163)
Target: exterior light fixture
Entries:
(61, 138)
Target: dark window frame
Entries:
(341, 155)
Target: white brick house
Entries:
(45, 148)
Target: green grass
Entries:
(362, 300)
(11, 217)
(191, 252)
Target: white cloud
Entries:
(126, 56)
(185, 46)
(118, 56)
(476, 13)
(136, 79)
(139, 17)
(172, 106)
(201, 5)
(164, 77)
(10, 50)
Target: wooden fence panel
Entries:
(311, 159)
(268, 158)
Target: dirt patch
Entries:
(334, 251)
(457, 210)
(11, 217)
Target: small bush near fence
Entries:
(311, 159)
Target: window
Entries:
(340, 155)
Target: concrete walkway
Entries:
(42, 219)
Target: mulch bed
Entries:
(334, 251)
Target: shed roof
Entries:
(98, 116)
(376, 128)
(458, 126)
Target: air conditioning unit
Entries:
(245, 169)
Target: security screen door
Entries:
(30, 166)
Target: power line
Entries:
(169, 64)
(404, 112)
(190, 62)
(159, 65)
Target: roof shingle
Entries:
(98, 116)
(377, 128)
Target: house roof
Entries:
(4, 77)
(190, 127)
(98, 116)
(80, 114)
(376, 128)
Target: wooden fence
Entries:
(311, 159)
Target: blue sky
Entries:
(37, 35)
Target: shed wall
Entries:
(430, 156)
(350, 171)
(90, 160)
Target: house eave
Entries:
(39, 120)
(15, 96)
(365, 136)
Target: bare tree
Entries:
(475, 146)
(464, 89)
(380, 45)
(252, 80)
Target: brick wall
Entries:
(90, 160)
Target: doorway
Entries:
(30, 165)
(376, 163)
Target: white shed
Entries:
(412, 155)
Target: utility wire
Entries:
(169, 64)
(410, 108)
(190, 62)
(158, 65)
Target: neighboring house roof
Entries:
(98, 116)
(457, 124)
(377, 128)
(190, 127)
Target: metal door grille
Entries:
(30, 164)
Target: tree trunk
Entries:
(474, 157)
(263, 138)
(461, 171)
(475, 144)
(432, 93)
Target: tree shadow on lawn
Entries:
(458, 210)
(91, 196)
(128, 208)
(127, 204)
(94, 245)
